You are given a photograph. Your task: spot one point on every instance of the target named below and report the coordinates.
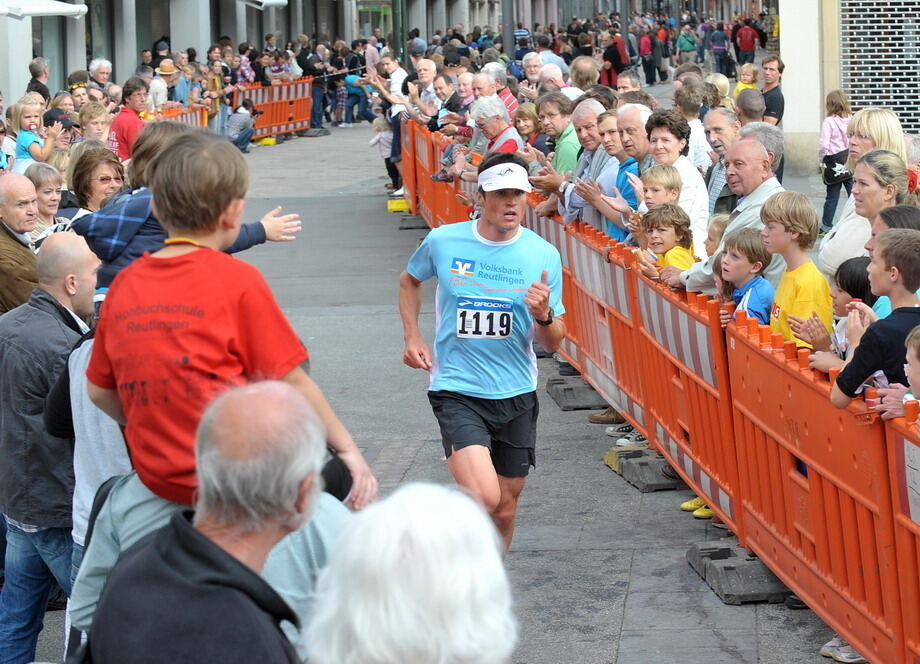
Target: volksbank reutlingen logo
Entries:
(464, 267)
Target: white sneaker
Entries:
(830, 648)
(848, 655)
(398, 192)
(619, 430)
(630, 439)
(345, 125)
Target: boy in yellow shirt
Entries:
(665, 234)
(790, 230)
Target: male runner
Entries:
(499, 289)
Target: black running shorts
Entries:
(508, 427)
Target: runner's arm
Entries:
(364, 489)
(417, 354)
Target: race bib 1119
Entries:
(484, 318)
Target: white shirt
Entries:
(694, 200)
(699, 146)
(846, 240)
(396, 82)
(572, 92)
(159, 92)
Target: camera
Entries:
(257, 111)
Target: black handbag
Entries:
(834, 168)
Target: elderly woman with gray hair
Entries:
(415, 579)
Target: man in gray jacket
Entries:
(36, 469)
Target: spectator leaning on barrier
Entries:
(259, 482)
(18, 216)
(875, 344)
(750, 176)
(37, 474)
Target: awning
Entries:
(267, 4)
(26, 8)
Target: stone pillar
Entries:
(802, 84)
(438, 16)
(16, 37)
(190, 24)
(418, 16)
(126, 54)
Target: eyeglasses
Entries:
(105, 179)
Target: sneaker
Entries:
(398, 192)
(693, 504)
(830, 648)
(441, 176)
(630, 439)
(848, 654)
(345, 125)
(609, 416)
(703, 513)
(619, 430)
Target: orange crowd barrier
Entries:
(604, 301)
(903, 439)
(828, 499)
(686, 392)
(194, 117)
(285, 107)
(816, 498)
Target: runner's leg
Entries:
(504, 515)
(472, 469)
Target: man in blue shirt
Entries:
(499, 289)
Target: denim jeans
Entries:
(363, 110)
(319, 104)
(33, 562)
(831, 200)
(719, 58)
(242, 141)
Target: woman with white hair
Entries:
(415, 579)
(491, 118)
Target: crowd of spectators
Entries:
(102, 228)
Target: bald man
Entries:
(36, 476)
(18, 216)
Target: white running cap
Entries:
(504, 176)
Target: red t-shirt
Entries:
(123, 132)
(174, 334)
(747, 38)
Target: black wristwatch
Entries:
(548, 321)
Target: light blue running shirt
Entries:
(484, 331)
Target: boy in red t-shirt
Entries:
(182, 325)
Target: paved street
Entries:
(598, 569)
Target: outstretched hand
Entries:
(281, 227)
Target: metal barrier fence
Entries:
(828, 499)
(285, 107)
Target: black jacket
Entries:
(36, 468)
(177, 597)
